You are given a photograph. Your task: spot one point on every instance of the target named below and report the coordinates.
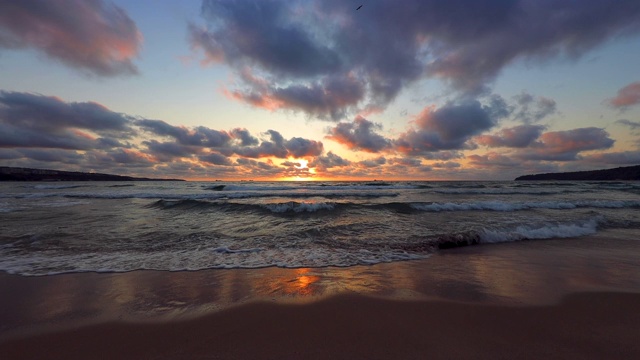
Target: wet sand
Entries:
(571, 298)
(584, 326)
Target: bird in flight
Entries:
(359, 7)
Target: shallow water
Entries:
(49, 228)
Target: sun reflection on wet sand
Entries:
(534, 272)
(299, 282)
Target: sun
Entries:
(303, 171)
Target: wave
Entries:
(523, 232)
(284, 207)
(322, 187)
(197, 252)
(515, 206)
(297, 207)
(398, 207)
(56, 187)
(505, 191)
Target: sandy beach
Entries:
(555, 299)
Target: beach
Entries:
(558, 299)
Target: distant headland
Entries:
(621, 173)
(27, 174)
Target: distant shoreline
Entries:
(28, 174)
(620, 173)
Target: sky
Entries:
(317, 90)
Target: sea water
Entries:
(58, 227)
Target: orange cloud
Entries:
(627, 96)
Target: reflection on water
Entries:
(533, 272)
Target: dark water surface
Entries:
(51, 228)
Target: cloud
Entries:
(302, 53)
(33, 120)
(198, 136)
(618, 158)
(328, 98)
(328, 161)
(119, 157)
(633, 125)
(493, 159)
(372, 163)
(166, 151)
(565, 145)
(244, 136)
(626, 97)
(447, 128)
(37, 129)
(514, 137)
(52, 155)
(278, 147)
(405, 161)
(446, 165)
(531, 109)
(299, 147)
(215, 159)
(94, 36)
(359, 135)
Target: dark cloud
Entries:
(446, 165)
(278, 147)
(442, 155)
(565, 145)
(617, 158)
(215, 159)
(379, 161)
(328, 98)
(515, 137)
(299, 147)
(303, 52)
(33, 120)
(493, 159)
(405, 161)
(198, 136)
(47, 112)
(95, 36)
(119, 157)
(275, 147)
(165, 151)
(633, 125)
(447, 128)
(246, 139)
(359, 135)
(9, 154)
(250, 167)
(531, 109)
(52, 155)
(626, 97)
(328, 161)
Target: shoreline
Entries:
(531, 299)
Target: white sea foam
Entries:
(299, 207)
(50, 263)
(514, 206)
(506, 191)
(4, 207)
(55, 187)
(544, 231)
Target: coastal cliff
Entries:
(28, 174)
(620, 173)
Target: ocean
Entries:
(61, 227)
